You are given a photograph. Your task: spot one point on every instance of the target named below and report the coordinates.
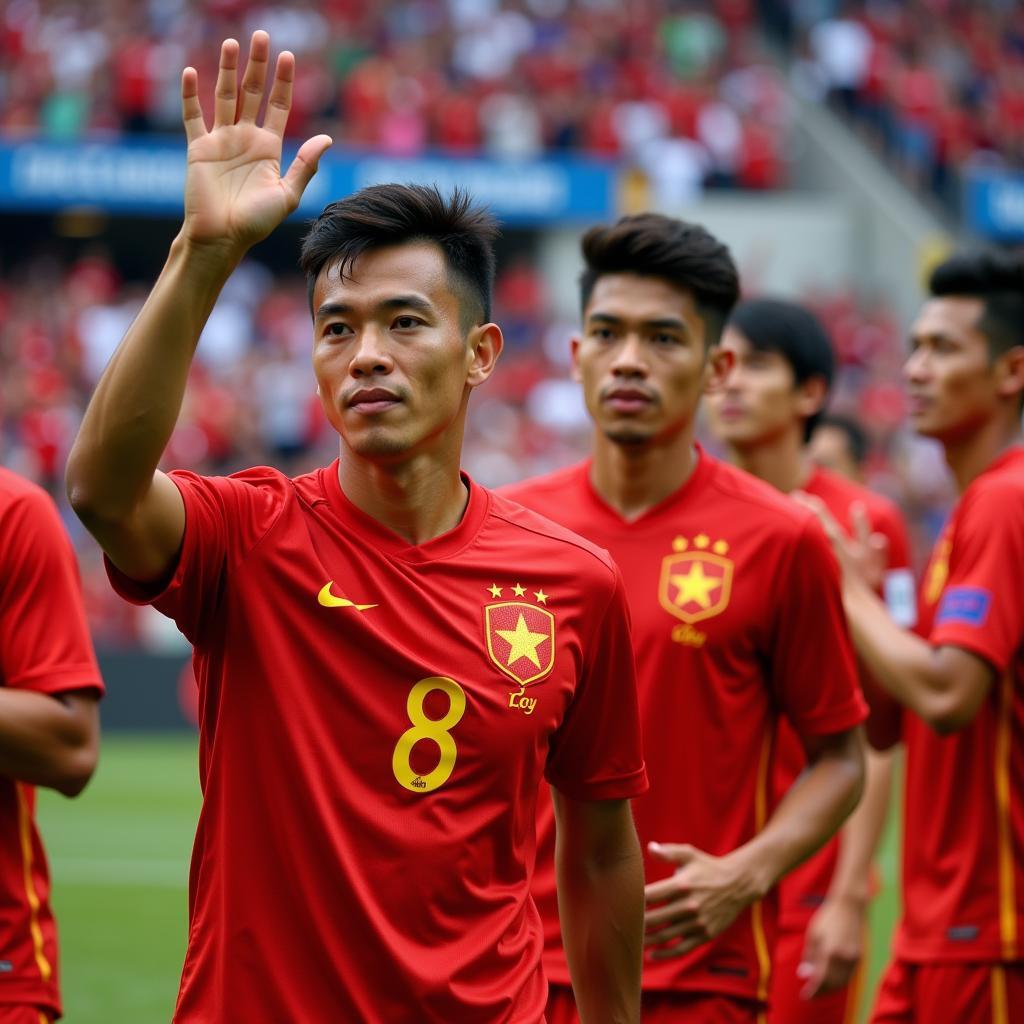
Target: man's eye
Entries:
(405, 323)
(602, 333)
(664, 339)
(336, 330)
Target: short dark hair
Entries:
(995, 276)
(856, 436)
(684, 254)
(384, 215)
(773, 325)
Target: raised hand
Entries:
(235, 194)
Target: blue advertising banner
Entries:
(994, 205)
(130, 177)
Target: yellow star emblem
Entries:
(519, 590)
(495, 590)
(542, 598)
(523, 641)
(695, 586)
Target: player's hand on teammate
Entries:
(235, 194)
(704, 896)
(833, 947)
(864, 556)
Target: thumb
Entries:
(304, 166)
(811, 968)
(674, 853)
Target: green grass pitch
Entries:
(119, 859)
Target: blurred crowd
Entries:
(937, 85)
(252, 396)
(680, 90)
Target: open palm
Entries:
(235, 194)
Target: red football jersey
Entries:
(44, 646)
(376, 719)
(737, 616)
(804, 890)
(963, 846)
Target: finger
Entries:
(255, 77)
(191, 109)
(814, 973)
(666, 889)
(304, 166)
(280, 103)
(681, 949)
(861, 522)
(680, 910)
(675, 853)
(689, 930)
(226, 94)
(814, 504)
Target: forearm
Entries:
(903, 663)
(851, 880)
(136, 404)
(45, 741)
(807, 817)
(601, 900)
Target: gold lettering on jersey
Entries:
(524, 703)
(938, 571)
(687, 634)
(695, 583)
(520, 637)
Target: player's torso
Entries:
(700, 574)
(399, 712)
(963, 873)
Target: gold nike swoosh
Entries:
(328, 600)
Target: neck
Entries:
(633, 479)
(780, 462)
(418, 499)
(970, 456)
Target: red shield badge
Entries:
(520, 640)
(695, 585)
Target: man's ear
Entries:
(574, 354)
(718, 366)
(485, 344)
(1009, 370)
(811, 396)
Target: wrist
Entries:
(754, 874)
(857, 897)
(216, 259)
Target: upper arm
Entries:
(145, 546)
(847, 745)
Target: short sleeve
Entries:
(982, 606)
(44, 638)
(596, 753)
(813, 671)
(225, 517)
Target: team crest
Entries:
(696, 580)
(520, 639)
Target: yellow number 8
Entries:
(423, 728)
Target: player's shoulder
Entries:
(530, 531)
(846, 492)
(16, 489)
(760, 505)
(548, 487)
(1003, 479)
(264, 482)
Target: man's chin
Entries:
(629, 437)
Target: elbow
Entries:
(75, 769)
(949, 716)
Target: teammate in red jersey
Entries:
(390, 659)
(766, 412)
(958, 952)
(49, 733)
(736, 617)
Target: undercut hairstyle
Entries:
(796, 334)
(856, 437)
(384, 215)
(683, 254)
(997, 278)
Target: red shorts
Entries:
(667, 1008)
(10, 1014)
(788, 1007)
(950, 994)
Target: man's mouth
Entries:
(628, 400)
(372, 400)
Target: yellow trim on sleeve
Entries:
(1000, 1011)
